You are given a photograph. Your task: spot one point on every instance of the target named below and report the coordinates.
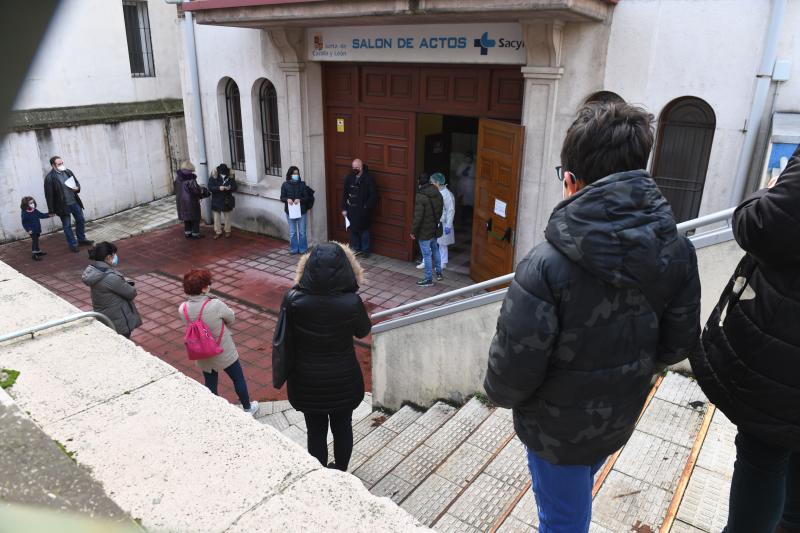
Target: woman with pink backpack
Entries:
(208, 337)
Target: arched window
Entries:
(233, 108)
(270, 134)
(605, 96)
(685, 133)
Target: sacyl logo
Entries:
(484, 43)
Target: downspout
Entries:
(197, 104)
(763, 82)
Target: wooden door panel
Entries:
(341, 148)
(507, 92)
(454, 90)
(497, 178)
(341, 84)
(390, 86)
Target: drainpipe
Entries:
(190, 52)
(763, 82)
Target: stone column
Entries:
(542, 74)
(301, 132)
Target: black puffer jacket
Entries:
(751, 365)
(325, 314)
(613, 294)
(428, 207)
(222, 201)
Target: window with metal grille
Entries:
(137, 31)
(233, 109)
(270, 134)
(685, 134)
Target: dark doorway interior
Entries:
(447, 144)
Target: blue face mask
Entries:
(115, 260)
(295, 177)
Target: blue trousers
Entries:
(66, 223)
(430, 257)
(563, 494)
(236, 374)
(297, 234)
(359, 240)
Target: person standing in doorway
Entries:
(448, 214)
(425, 229)
(608, 300)
(222, 185)
(295, 192)
(465, 189)
(359, 199)
(750, 368)
(61, 192)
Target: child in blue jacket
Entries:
(30, 221)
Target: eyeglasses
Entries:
(560, 173)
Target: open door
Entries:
(499, 160)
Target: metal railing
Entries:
(699, 240)
(58, 322)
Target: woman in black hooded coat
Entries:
(326, 383)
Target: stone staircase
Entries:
(464, 470)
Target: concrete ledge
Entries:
(64, 117)
(167, 451)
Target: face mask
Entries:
(31, 205)
(61, 168)
(115, 260)
(295, 177)
(223, 176)
(356, 171)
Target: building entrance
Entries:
(401, 120)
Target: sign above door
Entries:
(498, 43)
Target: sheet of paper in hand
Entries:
(295, 211)
(71, 183)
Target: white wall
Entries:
(83, 59)
(664, 49)
(119, 166)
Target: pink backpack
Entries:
(200, 344)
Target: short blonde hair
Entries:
(187, 165)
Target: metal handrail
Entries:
(688, 225)
(53, 323)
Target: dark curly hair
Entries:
(101, 250)
(24, 204)
(196, 280)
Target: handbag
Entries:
(282, 343)
(732, 291)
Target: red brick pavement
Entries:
(251, 273)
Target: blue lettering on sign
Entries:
(378, 42)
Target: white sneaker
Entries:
(253, 408)
(420, 266)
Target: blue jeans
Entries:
(765, 489)
(236, 374)
(359, 240)
(297, 234)
(563, 494)
(66, 223)
(430, 250)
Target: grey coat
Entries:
(215, 313)
(112, 296)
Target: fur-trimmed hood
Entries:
(328, 268)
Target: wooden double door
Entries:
(370, 114)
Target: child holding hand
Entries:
(30, 221)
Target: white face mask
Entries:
(61, 168)
(31, 205)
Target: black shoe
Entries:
(196, 236)
(187, 235)
(41, 253)
(73, 249)
(425, 283)
(365, 255)
(36, 257)
(439, 276)
(332, 465)
(86, 242)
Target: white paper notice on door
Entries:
(295, 211)
(499, 208)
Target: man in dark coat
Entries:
(222, 185)
(428, 207)
(359, 199)
(751, 366)
(612, 296)
(61, 192)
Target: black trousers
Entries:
(191, 227)
(341, 422)
(35, 242)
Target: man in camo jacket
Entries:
(611, 297)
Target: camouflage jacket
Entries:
(612, 295)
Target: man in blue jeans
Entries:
(61, 189)
(609, 298)
(425, 229)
